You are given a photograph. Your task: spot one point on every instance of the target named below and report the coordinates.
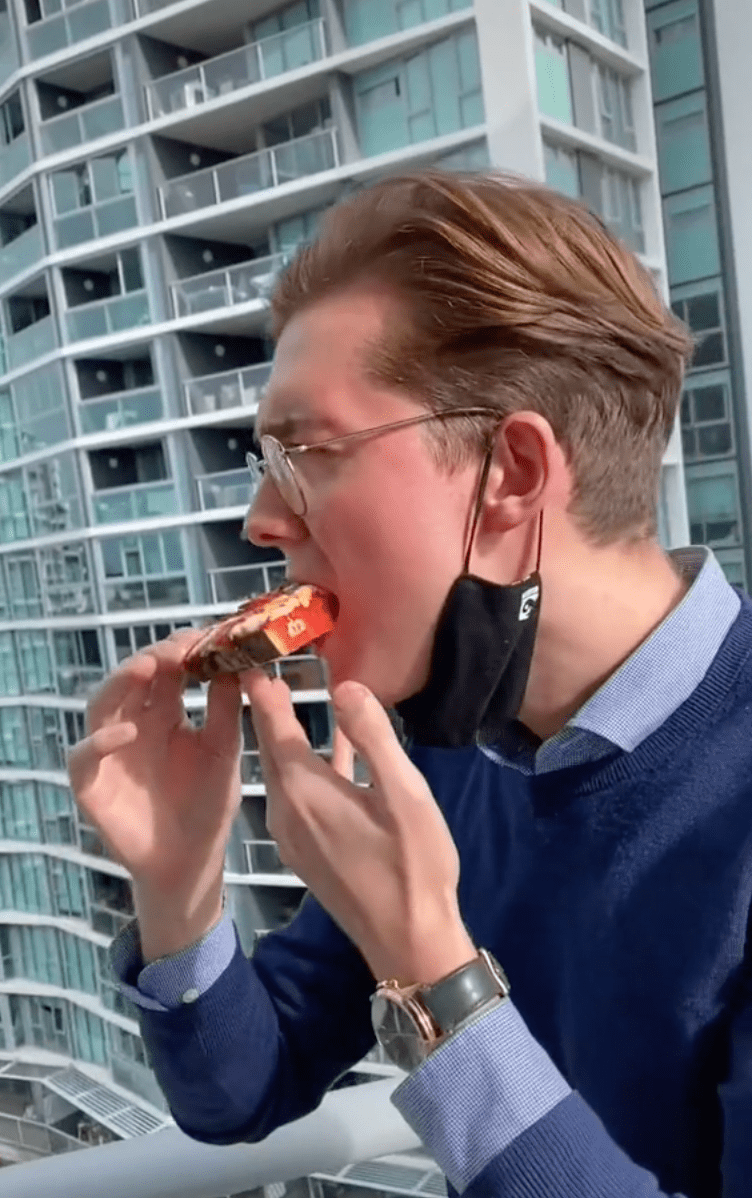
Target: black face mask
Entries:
(481, 657)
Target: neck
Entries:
(596, 610)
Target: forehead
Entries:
(318, 381)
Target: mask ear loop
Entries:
(476, 515)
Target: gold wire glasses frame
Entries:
(276, 458)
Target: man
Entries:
(472, 392)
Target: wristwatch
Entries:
(411, 1021)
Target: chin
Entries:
(377, 675)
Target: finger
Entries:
(367, 726)
(222, 720)
(277, 727)
(343, 755)
(134, 677)
(85, 759)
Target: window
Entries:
(146, 570)
(702, 311)
(706, 422)
(366, 21)
(562, 171)
(9, 677)
(714, 509)
(67, 579)
(78, 660)
(95, 198)
(41, 412)
(22, 586)
(691, 235)
(133, 637)
(615, 104)
(607, 16)
(35, 661)
(11, 119)
(683, 143)
(20, 818)
(552, 75)
(432, 93)
(676, 53)
(14, 512)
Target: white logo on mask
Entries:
(528, 602)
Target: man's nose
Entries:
(269, 521)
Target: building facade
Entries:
(702, 115)
(158, 164)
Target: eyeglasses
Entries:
(277, 459)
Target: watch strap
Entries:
(454, 998)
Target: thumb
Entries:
(367, 726)
(222, 721)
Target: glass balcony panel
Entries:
(88, 19)
(70, 230)
(228, 72)
(8, 51)
(233, 584)
(230, 488)
(301, 673)
(97, 120)
(255, 280)
(23, 252)
(189, 193)
(183, 89)
(61, 133)
(116, 215)
(135, 407)
(128, 311)
(78, 680)
(245, 176)
(135, 503)
(14, 158)
(305, 156)
(201, 294)
(46, 37)
(32, 342)
(111, 316)
(233, 389)
(292, 48)
(87, 321)
(250, 768)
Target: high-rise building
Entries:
(158, 164)
(702, 115)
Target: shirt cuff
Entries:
(168, 983)
(478, 1092)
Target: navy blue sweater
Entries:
(616, 894)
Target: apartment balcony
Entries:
(227, 73)
(33, 342)
(140, 502)
(247, 175)
(107, 921)
(233, 584)
(83, 125)
(355, 1137)
(227, 488)
(110, 316)
(121, 410)
(22, 253)
(230, 389)
(78, 680)
(225, 288)
(74, 24)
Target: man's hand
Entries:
(162, 793)
(380, 860)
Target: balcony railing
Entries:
(250, 766)
(231, 389)
(78, 680)
(14, 157)
(255, 172)
(226, 73)
(55, 32)
(35, 1138)
(121, 410)
(354, 1124)
(110, 316)
(138, 502)
(228, 488)
(21, 253)
(83, 124)
(107, 921)
(224, 288)
(233, 584)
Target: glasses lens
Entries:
(283, 474)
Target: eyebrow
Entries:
(293, 427)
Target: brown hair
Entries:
(515, 297)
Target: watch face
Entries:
(397, 1033)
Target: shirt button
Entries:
(190, 995)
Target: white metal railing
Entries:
(260, 60)
(351, 1125)
(224, 288)
(230, 389)
(226, 488)
(251, 173)
(233, 584)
